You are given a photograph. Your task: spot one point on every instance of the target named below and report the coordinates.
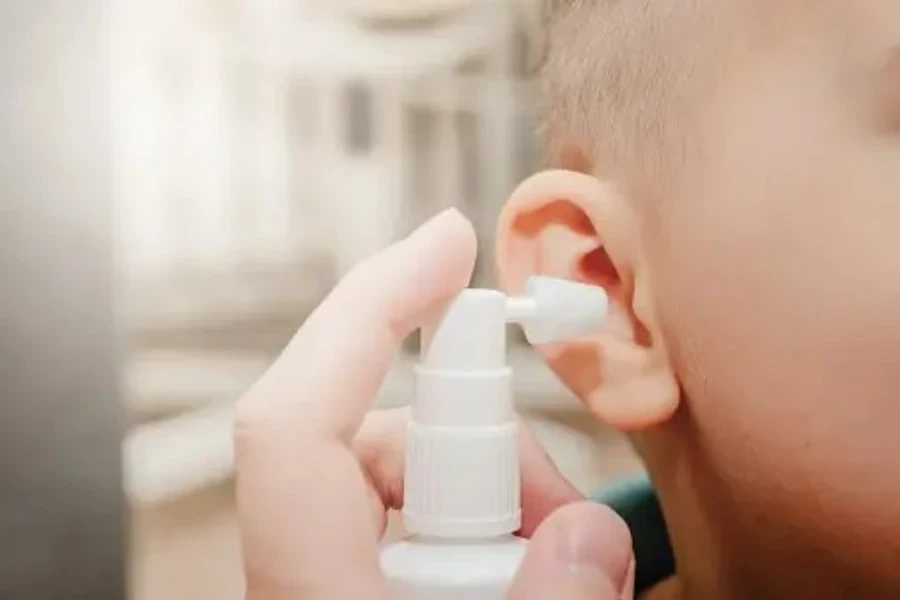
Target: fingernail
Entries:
(444, 247)
(588, 548)
(628, 591)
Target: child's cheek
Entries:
(781, 301)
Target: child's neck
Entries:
(730, 547)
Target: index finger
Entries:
(304, 504)
(330, 372)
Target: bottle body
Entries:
(430, 568)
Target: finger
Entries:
(380, 446)
(544, 489)
(336, 362)
(303, 500)
(581, 552)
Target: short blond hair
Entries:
(629, 81)
(622, 78)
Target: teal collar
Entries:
(636, 502)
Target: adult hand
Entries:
(315, 476)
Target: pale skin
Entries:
(316, 475)
(752, 350)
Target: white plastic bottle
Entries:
(461, 485)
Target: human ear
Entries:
(574, 226)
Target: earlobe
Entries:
(572, 225)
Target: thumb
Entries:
(581, 552)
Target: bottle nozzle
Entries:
(553, 309)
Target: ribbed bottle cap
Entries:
(462, 483)
(462, 466)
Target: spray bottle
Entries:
(461, 485)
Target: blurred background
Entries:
(259, 148)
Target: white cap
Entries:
(462, 463)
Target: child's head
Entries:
(739, 198)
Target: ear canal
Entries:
(597, 267)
